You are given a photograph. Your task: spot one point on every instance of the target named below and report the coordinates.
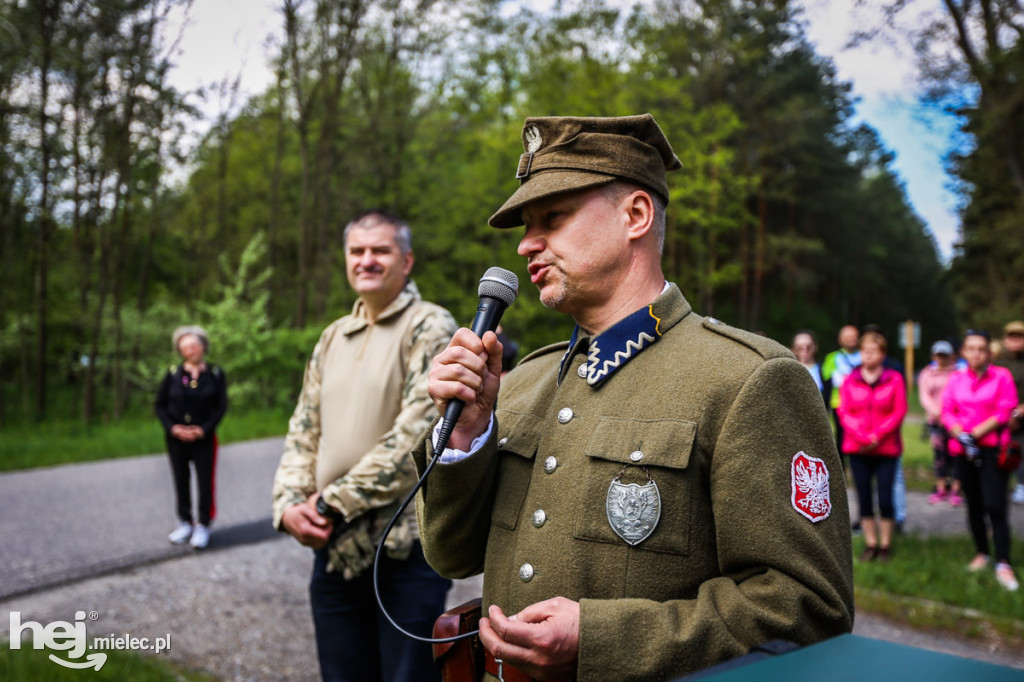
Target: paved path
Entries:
(92, 537)
(62, 523)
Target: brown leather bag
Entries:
(461, 661)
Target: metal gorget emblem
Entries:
(633, 509)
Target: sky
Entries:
(228, 38)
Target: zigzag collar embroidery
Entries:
(617, 345)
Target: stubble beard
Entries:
(559, 291)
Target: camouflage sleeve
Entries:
(386, 473)
(295, 479)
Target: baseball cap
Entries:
(942, 348)
(1015, 327)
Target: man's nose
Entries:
(530, 243)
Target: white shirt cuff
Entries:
(453, 455)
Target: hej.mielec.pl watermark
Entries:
(71, 638)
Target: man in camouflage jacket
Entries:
(346, 466)
(657, 495)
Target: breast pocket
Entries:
(518, 434)
(625, 447)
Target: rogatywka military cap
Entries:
(571, 153)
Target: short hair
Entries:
(615, 191)
(983, 333)
(814, 339)
(194, 330)
(875, 338)
(379, 216)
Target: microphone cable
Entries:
(498, 289)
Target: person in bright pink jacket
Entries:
(976, 408)
(872, 404)
(931, 382)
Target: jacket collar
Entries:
(888, 374)
(358, 319)
(612, 349)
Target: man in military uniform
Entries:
(658, 494)
(346, 466)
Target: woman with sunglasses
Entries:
(976, 408)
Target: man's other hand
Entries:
(542, 640)
(305, 524)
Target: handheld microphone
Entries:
(498, 289)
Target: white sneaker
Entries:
(1018, 494)
(200, 536)
(181, 534)
(1005, 577)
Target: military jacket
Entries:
(752, 539)
(371, 491)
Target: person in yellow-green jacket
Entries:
(835, 368)
(658, 494)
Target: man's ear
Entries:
(408, 260)
(639, 209)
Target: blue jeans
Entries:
(899, 493)
(354, 642)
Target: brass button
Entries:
(539, 517)
(550, 464)
(565, 415)
(526, 573)
(582, 371)
(636, 455)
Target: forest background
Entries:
(116, 225)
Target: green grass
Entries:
(918, 459)
(68, 441)
(28, 665)
(928, 587)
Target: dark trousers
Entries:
(984, 488)
(354, 642)
(883, 469)
(203, 455)
(843, 457)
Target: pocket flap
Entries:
(644, 442)
(518, 432)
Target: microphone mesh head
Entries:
(499, 283)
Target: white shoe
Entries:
(181, 534)
(1018, 494)
(1005, 577)
(200, 536)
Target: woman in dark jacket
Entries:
(191, 401)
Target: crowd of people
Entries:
(658, 494)
(971, 397)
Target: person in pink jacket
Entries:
(930, 384)
(872, 404)
(976, 408)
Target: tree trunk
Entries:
(275, 189)
(759, 257)
(102, 282)
(47, 20)
(291, 22)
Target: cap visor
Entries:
(542, 185)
